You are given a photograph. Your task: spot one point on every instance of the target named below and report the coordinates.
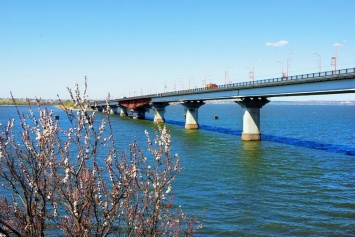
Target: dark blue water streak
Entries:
(334, 148)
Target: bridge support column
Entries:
(123, 111)
(138, 113)
(114, 109)
(99, 108)
(159, 111)
(192, 113)
(251, 118)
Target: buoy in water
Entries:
(216, 117)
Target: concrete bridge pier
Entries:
(251, 118)
(114, 109)
(138, 113)
(159, 111)
(99, 108)
(192, 113)
(123, 111)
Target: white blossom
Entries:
(76, 209)
(38, 135)
(168, 190)
(109, 160)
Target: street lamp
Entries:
(335, 58)
(204, 82)
(226, 76)
(207, 76)
(320, 62)
(251, 73)
(287, 64)
(192, 79)
(282, 67)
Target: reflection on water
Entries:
(251, 148)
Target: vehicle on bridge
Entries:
(211, 86)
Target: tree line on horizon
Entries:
(22, 101)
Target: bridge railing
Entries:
(237, 85)
(296, 77)
(322, 74)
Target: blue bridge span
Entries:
(252, 96)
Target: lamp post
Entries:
(320, 62)
(251, 73)
(207, 76)
(204, 82)
(335, 58)
(192, 79)
(282, 67)
(287, 64)
(226, 77)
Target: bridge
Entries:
(251, 95)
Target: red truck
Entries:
(211, 86)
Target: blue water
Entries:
(298, 181)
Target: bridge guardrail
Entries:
(233, 86)
(258, 82)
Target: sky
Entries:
(134, 47)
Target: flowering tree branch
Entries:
(72, 179)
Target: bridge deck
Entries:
(329, 82)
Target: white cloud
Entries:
(339, 43)
(277, 44)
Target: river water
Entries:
(298, 181)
